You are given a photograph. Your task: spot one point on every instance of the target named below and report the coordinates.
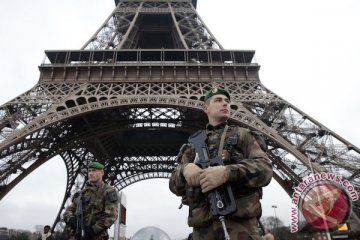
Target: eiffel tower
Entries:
(133, 94)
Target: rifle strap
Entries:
(222, 141)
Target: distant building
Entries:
(150, 233)
(4, 233)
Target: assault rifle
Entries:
(79, 215)
(221, 199)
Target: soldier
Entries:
(246, 168)
(99, 207)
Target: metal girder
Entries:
(131, 21)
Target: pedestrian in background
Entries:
(46, 235)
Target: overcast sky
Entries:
(309, 55)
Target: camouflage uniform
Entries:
(100, 208)
(250, 169)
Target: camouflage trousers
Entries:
(244, 229)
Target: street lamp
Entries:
(276, 223)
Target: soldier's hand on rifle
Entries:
(88, 232)
(213, 177)
(191, 173)
(72, 223)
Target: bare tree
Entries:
(271, 223)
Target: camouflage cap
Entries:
(96, 165)
(214, 91)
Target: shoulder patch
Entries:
(112, 195)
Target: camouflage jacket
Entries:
(100, 207)
(250, 168)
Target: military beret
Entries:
(96, 165)
(214, 91)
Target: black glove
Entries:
(72, 223)
(89, 233)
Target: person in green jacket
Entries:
(99, 207)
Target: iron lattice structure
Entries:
(133, 94)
